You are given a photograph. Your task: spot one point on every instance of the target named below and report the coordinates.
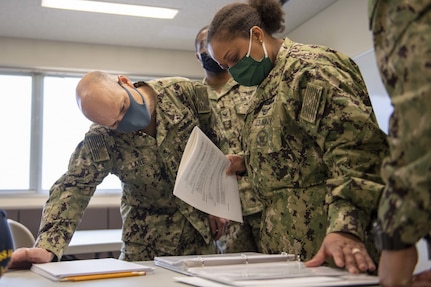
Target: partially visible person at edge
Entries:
(312, 145)
(402, 41)
(141, 132)
(230, 101)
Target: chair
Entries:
(21, 235)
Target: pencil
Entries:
(101, 276)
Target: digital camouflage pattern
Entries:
(155, 222)
(402, 40)
(313, 151)
(229, 106)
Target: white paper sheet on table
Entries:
(359, 280)
(292, 274)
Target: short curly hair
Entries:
(236, 19)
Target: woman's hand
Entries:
(347, 251)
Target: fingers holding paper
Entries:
(22, 258)
(347, 251)
(218, 226)
(237, 165)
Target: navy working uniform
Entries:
(155, 222)
(313, 150)
(402, 40)
(230, 105)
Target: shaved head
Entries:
(97, 97)
(91, 82)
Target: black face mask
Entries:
(210, 65)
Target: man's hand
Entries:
(22, 258)
(346, 250)
(237, 165)
(218, 226)
(396, 268)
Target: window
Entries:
(15, 140)
(43, 125)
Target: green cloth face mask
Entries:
(248, 71)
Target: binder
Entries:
(182, 264)
(251, 269)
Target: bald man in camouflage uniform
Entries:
(230, 101)
(402, 40)
(155, 222)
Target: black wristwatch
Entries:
(384, 241)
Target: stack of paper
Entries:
(90, 269)
(292, 274)
(202, 181)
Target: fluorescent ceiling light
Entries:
(111, 8)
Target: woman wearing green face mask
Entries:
(311, 142)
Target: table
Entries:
(161, 277)
(94, 241)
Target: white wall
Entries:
(343, 26)
(62, 56)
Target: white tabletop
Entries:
(160, 277)
(94, 241)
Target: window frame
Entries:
(36, 132)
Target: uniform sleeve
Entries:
(71, 193)
(402, 40)
(207, 120)
(337, 110)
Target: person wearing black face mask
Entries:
(215, 76)
(229, 102)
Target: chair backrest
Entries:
(21, 235)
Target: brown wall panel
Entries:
(31, 219)
(94, 218)
(115, 221)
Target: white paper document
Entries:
(352, 280)
(202, 181)
(292, 274)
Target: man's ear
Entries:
(125, 81)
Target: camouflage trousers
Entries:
(191, 242)
(240, 238)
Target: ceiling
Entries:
(27, 19)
